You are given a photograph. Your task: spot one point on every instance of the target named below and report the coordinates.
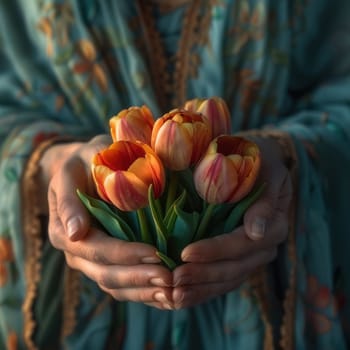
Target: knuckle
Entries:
(105, 279)
(144, 295)
(97, 256)
(136, 280)
(64, 206)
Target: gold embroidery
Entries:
(70, 300)
(287, 329)
(260, 288)
(171, 89)
(33, 242)
(33, 238)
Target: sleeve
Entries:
(29, 116)
(318, 123)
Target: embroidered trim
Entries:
(195, 30)
(72, 288)
(287, 329)
(33, 237)
(156, 57)
(184, 53)
(260, 288)
(169, 5)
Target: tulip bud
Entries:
(132, 124)
(228, 170)
(215, 111)
(180, 138)
(123, 173)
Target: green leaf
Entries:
(170, 263)
(162, 232)
(241, 207)
(203, 226)
(143, 226)
(186, 181)
(112, 222)
(171, 215)
(171, 190)
(183, 232)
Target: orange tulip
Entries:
(228, 170)
(216, 112)
(134, 123)
(123, 173)
(180, 138)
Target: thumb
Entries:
(257, 217)
(64, 201)
(75, 175)
(274, 201)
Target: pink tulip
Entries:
(228, 170)
(180, 138)
(216, 112)
(134, 123)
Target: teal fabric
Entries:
(67, 66)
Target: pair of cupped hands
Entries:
(131, 271)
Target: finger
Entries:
(236, 245)
(100, 248)
(276, 197)
(151, 295)
(161, 306)
(221, 271)
(188, 296)
(121, 276)
(64, 202)
(75, 174)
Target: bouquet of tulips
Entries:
(175, 180)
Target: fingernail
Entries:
(151, 260)
(73, 226)
(167, 306)
(258, 228)
(159, 296)
(159, 282)
(178, 297)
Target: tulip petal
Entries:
(140, 167)
(215, 178)
(158, 174)
(126, 191)
(180, 138)
(228, 170)
(174, 145)
(132, 124)
(247, 174)
(99, 173)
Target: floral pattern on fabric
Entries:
(67, 66)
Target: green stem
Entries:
(204, 222)
(172, 189)
(170, 263)
(162, 233)
(145, 234)
(241, 207)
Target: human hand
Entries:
(218, 265)
(127, 271)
